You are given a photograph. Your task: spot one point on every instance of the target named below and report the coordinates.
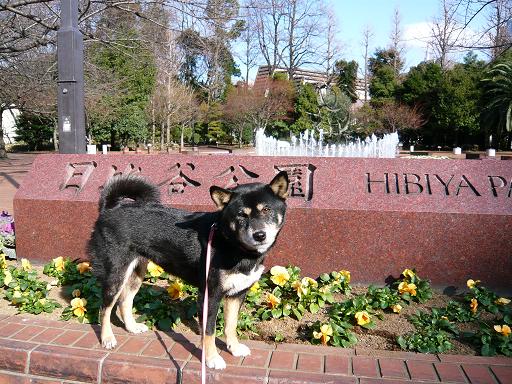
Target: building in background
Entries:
(9, 117)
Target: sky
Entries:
(415, 15)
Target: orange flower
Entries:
(473, 305)
(175, 290)
(503, 329)
(396, 308)
(78, 306)
(362, 317)
(273, 301)
(404, 287)
(324, 335)
(83, 267)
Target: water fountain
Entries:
(307, 145)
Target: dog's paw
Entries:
(216, 362)
(239, 350)
(137, 328)
(109, 342)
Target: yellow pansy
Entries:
(280, 275)
(503, 329)
(25, 264)
(396, 308)
(473, 305)
(154, 269)
(7, 278)
(362, 317)
(309, 282)
(76, 293)
(78, 306)
(16, 295)
(404, 287)
(346, 275)
(502, 301)
(408, 273)
(83, 267)
(324, 335)
(42, 301)
(255, 287)
(175, 290)
(299, 288)
(3, 263)
(58, 263)
(272, 301)
(471, 283)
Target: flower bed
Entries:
(326, 310)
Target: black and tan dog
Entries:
(134, 227)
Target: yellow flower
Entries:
(175, 290)
(444, 318)
(76, 293)
(255, 287)
(471, 283)
(362, 317)
(16, 295)
(42, 301)
(408, 273)
(280, 275)
(309, 282)
(25, 264)
(58, 262)
(83, 267)
(78, 306)
(346, 275)
(3, 263)
(154, 269)
(324, 335)
(7, 278)
(503, 329)
(502, 301)
(473, 305)
(300, 288)
(396, 308)
(272, 301)
(404, 287)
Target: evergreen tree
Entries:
(346, 77)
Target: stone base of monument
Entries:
(449, 219)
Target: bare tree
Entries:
(332, 46)
(249, 50)
(446, 32)
(396, 40)
(367, 36)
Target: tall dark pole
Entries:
(70, 56)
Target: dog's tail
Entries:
(127, 187)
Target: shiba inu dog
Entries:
(134, 227)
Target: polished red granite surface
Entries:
(450, 219)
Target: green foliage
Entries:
(346, 76)
(119, 116)
(491, 339)
(335, 333)
(497, 99)
(382, 298)
(23, 289)
(384, 67)
(35, 130)
(306, 109)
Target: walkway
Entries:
(43, 351)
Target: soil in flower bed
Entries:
(288, 330)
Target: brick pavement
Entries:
(33, 350)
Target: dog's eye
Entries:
(265, 210)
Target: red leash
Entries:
(205, 302)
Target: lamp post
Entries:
(70, 58)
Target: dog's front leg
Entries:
(213, 359)
(231, 309)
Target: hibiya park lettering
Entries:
(449, 185)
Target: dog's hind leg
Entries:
(126, 298)
(231, 310)
(111, 292)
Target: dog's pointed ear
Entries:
(279, 184)
(220, 196)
